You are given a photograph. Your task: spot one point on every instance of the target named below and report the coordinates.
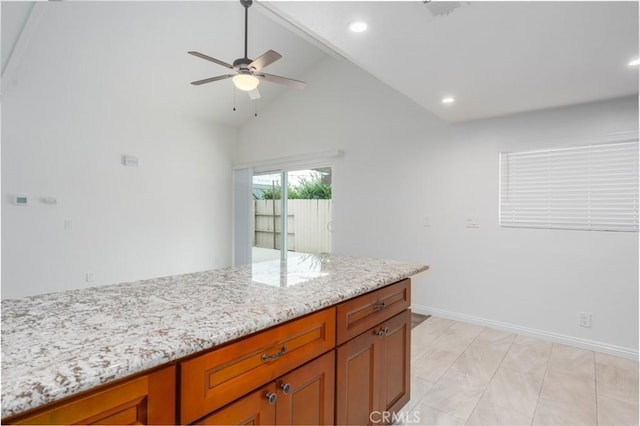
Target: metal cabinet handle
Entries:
(286, 388)
(379, 306)
(271, 398)
(383, 332)
(266, 357)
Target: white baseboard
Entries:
(629, 353)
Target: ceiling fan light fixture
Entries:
(244, 69)
(448, 100)
(245, 82)
(634, 63)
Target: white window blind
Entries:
(586, 188)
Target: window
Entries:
(591, 188)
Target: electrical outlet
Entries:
(90, 277)
(585, 319)
(472, 222)
(426, 222)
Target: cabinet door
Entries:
(373, 372)
(358, 371)
(253, 409)
(396, 368)
(306, 395)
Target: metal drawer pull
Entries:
(378, 307)
(383, 332)
(266, 357)
(286, 388)
(271, 398)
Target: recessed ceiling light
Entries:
(448, 100)
(634, 63)
(358, 27)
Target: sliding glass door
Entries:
(291, 213)
(267, 217)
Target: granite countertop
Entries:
(58, 344)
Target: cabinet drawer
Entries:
(216, 378)
(357, 315)
(148, 399)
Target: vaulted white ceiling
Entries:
(140, 49)
(495, 58)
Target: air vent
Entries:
(440, 8)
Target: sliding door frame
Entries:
(243, 195)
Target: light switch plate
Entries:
(472, 222)
(130, 161)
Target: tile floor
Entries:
(468, 374)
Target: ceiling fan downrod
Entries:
(246, 4)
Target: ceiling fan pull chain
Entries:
(234, 98)
(255, 114)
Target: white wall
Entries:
(70, 110)
(535, 279)
(381, 178)
(401, 164)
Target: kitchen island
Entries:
(60, 344)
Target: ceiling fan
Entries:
(247, 73)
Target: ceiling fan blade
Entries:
(211, 79)
(282, 80)
(209, 58)
(266, 59)
(254, 94)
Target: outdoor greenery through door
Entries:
(307, 205)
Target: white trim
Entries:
(284, 216)
(293, 162)
(22, 41)
(620, 351)
(287, 22)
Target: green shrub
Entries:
(308, 189)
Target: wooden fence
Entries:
(308, 223)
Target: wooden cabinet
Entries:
(253, 409)
(373, 369)
(358, 371)
(147, 399)
(368, 372)
(358, 315)
(396, 361)
(310, 398)
(212, 380)
(301, 397)
(289, 374)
